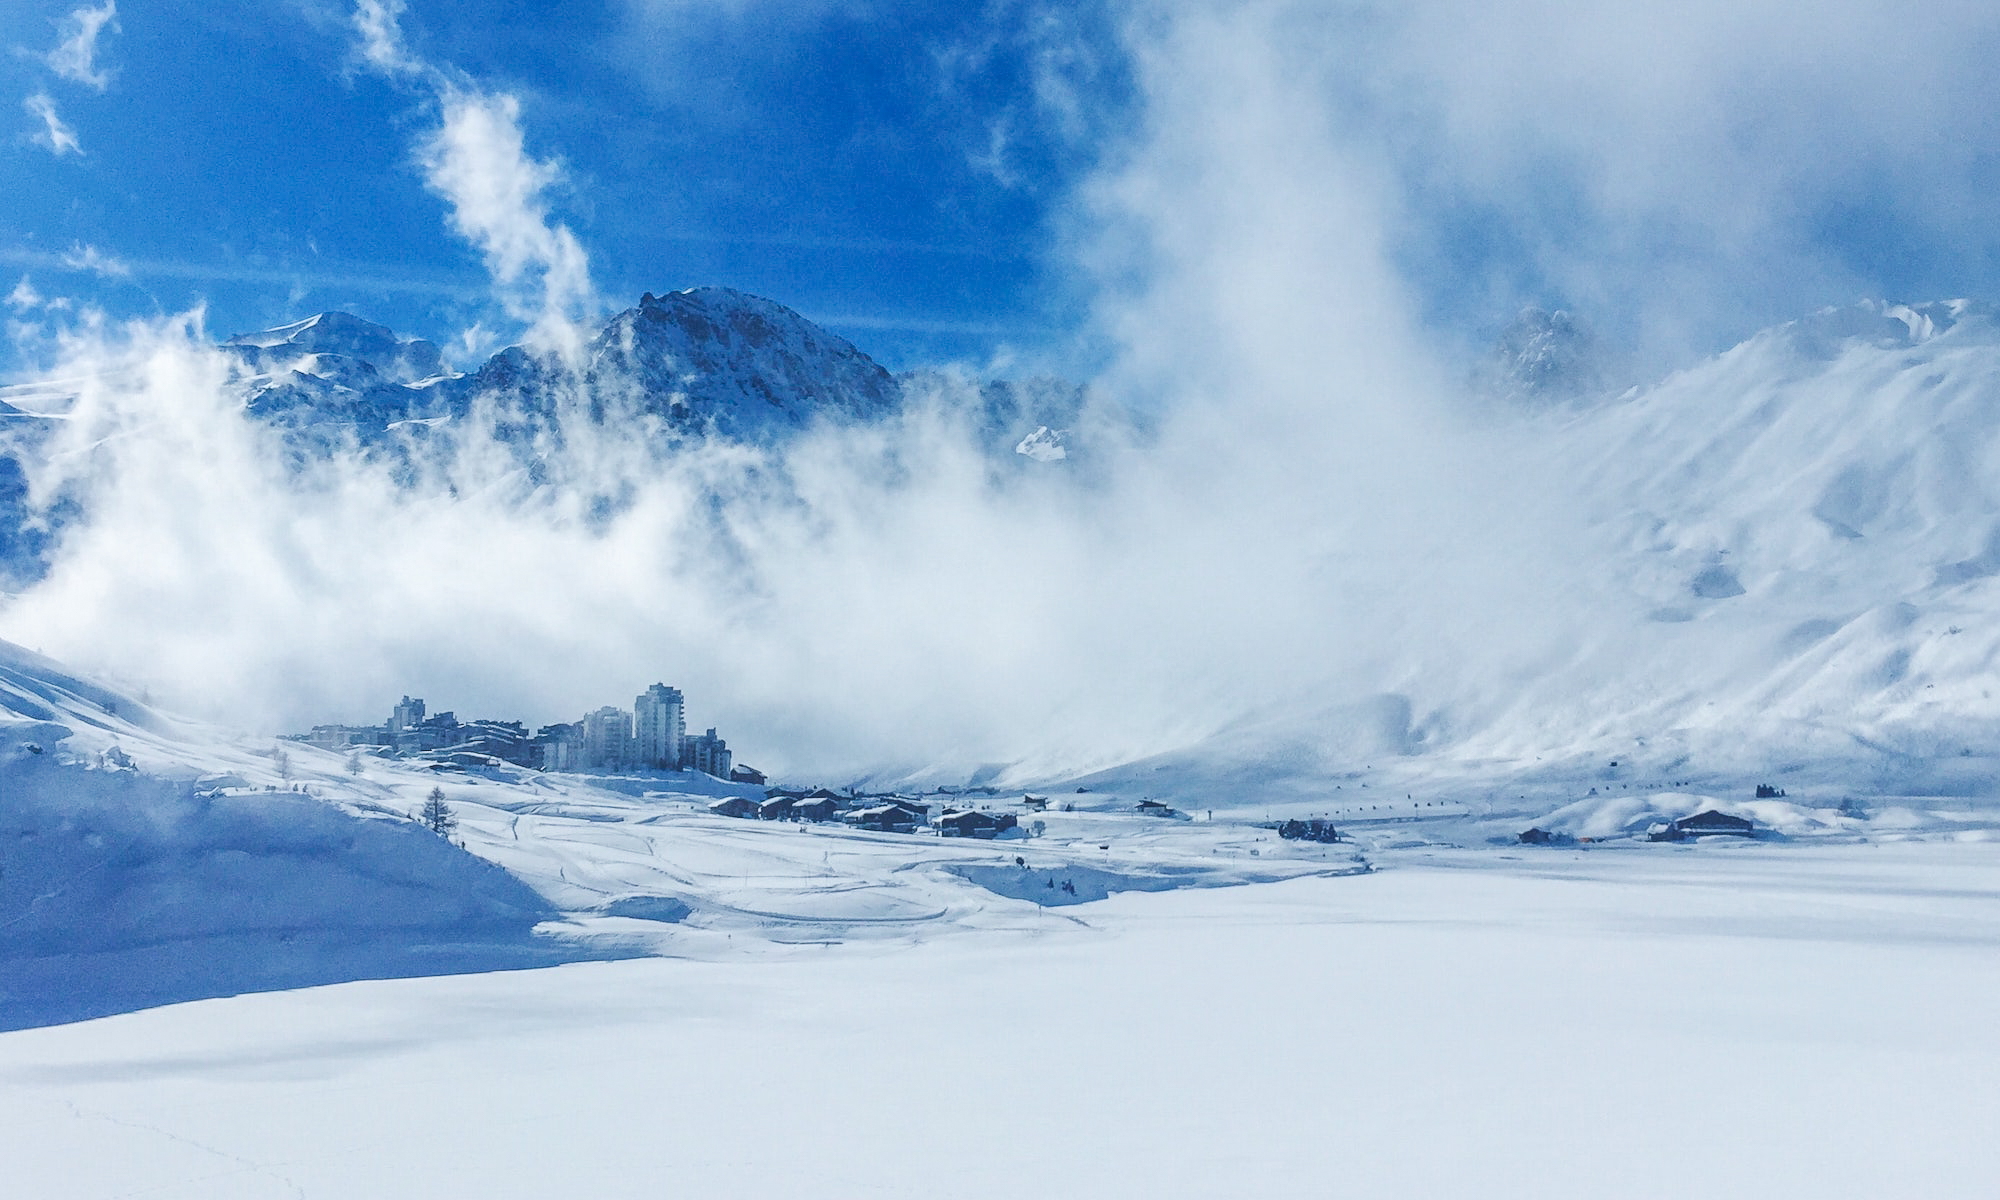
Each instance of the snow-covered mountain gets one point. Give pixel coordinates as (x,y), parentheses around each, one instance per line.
(1818,509)
(337,345)
(1784,559)
(706,361)
(336,372)
(718,360)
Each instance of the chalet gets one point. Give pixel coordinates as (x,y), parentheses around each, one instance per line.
(887,818)
(1709,823)
(734,806)
(1153,808)
(777,808)
(1543,837)
(743,774)
(815,810)
(1035,803)
(794,793)
(974,823)
(820,793)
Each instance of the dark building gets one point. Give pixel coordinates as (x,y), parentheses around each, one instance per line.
(735,806)
(708,754)
(975,824)
(1542,837)
(815,810)
(887,818)
(1704,824)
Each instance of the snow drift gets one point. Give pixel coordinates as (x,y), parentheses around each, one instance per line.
(121,889)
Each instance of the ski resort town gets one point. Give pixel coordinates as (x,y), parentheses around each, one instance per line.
(653,735)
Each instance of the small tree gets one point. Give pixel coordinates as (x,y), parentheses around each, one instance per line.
(437,814)
(282,762)
(354,763)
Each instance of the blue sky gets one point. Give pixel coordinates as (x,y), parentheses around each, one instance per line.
(927,178)
(839,158)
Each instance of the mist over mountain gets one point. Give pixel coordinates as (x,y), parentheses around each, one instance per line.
(1547,357)
(1786,550)
(701,367)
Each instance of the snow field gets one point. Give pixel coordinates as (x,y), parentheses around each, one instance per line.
(1811,1022)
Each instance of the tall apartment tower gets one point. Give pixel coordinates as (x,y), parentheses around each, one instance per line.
(709,754)
(607,737)
(659,727)
(409,714)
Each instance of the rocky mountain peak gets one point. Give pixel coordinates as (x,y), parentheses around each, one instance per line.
(341,336)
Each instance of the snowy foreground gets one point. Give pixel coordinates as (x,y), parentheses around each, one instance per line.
(1748,1021)
(231,969)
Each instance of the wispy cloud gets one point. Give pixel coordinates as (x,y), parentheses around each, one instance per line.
(58,137)
(476,159)
(478,162)
(85,257)
(1051,63)
(364,278)
(75,58)
(378,23)
(923,325)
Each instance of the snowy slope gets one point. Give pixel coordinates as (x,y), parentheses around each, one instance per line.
(1805,532)
(145,860)
(333,343)
(335,371)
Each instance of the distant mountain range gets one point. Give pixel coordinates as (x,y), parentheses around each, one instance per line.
(707,362)
(697,366)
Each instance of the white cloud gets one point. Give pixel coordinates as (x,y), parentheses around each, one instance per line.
(378,23)
(477,161)
(84,257)
(75,58)
(1672,169)
(58,137)
(24,296)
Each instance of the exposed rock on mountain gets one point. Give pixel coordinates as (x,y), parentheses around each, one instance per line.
(1545,358)
(717,360)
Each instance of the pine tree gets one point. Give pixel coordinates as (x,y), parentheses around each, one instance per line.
(436,815)
(354,763)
